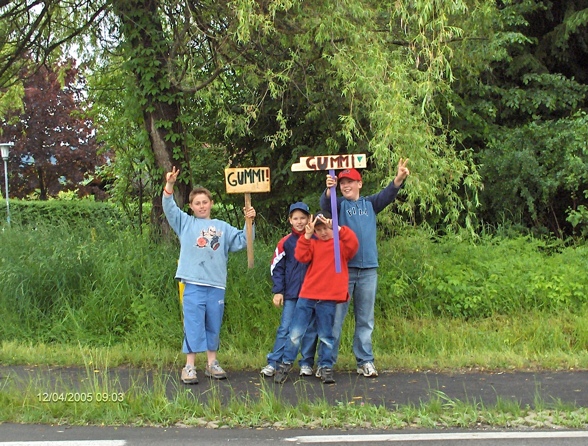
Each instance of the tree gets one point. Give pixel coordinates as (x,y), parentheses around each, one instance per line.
(521,106)
(55,148)
(274,79)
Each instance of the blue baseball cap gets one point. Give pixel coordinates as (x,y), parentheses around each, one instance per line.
(299,206)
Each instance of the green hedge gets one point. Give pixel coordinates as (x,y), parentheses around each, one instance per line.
(60,212)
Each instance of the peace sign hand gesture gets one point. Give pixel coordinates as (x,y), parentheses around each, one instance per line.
(172,176)
(402,172)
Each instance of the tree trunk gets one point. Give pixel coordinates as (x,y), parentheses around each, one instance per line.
(145,43)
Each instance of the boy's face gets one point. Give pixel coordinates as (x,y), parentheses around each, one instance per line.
(350,188)
(298,220)
(201,206)
(323,232)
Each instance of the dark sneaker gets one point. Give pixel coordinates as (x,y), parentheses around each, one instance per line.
(268,370)
(282,373)
(189,375)
(368,370)
(327,375)
(214,370)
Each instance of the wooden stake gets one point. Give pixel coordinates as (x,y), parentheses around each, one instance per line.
(249,232)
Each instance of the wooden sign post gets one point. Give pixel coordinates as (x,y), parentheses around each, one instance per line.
(330,163)
(247,180)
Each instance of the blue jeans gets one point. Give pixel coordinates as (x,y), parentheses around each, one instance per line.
(308,312)
(362,289)
(203,307)
(307,345)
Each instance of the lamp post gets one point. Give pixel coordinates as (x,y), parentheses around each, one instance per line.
(5,148)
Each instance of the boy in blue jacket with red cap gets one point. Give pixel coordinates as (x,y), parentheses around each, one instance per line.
(359,213)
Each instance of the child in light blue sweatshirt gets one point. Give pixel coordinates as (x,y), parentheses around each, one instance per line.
(204,247)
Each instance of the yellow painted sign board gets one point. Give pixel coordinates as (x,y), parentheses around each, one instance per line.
(245,180)
(240,180)
(328,162)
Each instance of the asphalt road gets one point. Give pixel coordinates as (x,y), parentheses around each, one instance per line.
(390,389)
(42,435)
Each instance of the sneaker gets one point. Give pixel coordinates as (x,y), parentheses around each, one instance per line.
(319,372)
(327,375)
(305,370)
(215,371)
(189,375)
(368,370)
(268,370)
(282,373)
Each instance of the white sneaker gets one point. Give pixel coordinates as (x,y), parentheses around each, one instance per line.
(368,370)
(268,370)
(305,370)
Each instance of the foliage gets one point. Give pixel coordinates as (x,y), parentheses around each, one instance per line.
(456,86)
(117,119)
(10,102)
(270,81)
(495,277)
(64,213)
(55,147)
(540,169)
(103,287)
(361,79)
(519,101)
(578,218)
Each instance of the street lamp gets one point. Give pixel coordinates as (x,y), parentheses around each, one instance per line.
(5,148)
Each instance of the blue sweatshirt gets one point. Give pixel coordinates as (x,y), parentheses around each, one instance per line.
(204,245)
(360,216)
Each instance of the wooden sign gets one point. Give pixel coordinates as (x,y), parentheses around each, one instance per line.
(245,180)
(239,180)
(330,162)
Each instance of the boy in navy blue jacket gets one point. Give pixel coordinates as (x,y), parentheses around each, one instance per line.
(287,277)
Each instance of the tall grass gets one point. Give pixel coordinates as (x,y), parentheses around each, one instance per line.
(442,303)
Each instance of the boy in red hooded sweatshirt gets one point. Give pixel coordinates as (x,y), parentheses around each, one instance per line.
(321,291)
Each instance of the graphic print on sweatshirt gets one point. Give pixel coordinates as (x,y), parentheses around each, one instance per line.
(356,211)
(209,237)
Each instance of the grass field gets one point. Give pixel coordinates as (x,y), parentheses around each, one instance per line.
(95,297)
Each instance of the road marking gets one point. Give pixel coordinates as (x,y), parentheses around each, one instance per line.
(436,437)
(66,443)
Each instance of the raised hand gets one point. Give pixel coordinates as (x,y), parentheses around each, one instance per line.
(402,172)
(309,228)
(172,176)
(325,220)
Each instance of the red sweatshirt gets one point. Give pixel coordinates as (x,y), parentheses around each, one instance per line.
(321,281)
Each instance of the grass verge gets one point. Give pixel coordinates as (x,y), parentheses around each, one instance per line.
(100,401)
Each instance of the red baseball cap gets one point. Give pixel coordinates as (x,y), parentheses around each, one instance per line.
(352,174)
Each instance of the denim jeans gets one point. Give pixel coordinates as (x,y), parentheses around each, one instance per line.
(362,289)
(307,345)
(203,308)
(308,312)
